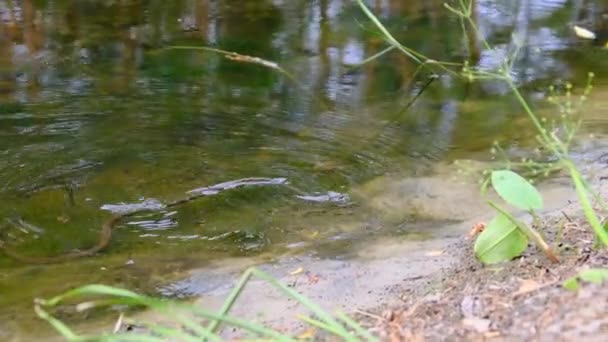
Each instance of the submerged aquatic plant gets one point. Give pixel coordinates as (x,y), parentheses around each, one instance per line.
(506,235)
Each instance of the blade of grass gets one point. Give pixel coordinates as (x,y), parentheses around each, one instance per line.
(198,329)
(356,327)
(176,310)
(238,57)
(323,326)
(161,306)
(63,329)
(581,191)
(127,337)
(238,323)
(412,54)
(419,93)
(389,37)
(173,333)
(327,318)
(335,327)
(93,289)
(371,58)
(230,300)
(242,58)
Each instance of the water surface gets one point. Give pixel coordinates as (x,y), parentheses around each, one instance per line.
(95,110)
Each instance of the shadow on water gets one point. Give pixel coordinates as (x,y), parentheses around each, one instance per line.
(94,111)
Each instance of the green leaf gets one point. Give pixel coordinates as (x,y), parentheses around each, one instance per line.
(500,241)
(517,191)
(571,284)
(591,275)
(594,275)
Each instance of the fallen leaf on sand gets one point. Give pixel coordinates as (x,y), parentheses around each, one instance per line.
(297,271)
(313,278)
(118,323)
(476,229)
(526,286)
(307,335)
(492,334)
(434,253)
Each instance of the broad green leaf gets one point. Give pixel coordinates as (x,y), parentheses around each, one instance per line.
(594,275)
(500,241)
(517,191)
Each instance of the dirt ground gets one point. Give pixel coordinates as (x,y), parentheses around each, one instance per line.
(520,300)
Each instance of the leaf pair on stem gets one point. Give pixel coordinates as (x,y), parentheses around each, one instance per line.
(506,237)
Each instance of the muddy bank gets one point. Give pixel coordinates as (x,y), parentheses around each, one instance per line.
(434,288)
(376,267)
(519,300)
(428,273)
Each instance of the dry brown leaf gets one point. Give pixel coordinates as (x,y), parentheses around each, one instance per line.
(492,334)
(307,335)
(527,286)
(297,271)
(313,278)
(476,229)
(434,253)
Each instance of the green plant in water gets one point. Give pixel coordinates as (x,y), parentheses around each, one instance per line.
(506,236)
(186,321)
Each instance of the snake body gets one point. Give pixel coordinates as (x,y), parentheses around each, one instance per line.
(105,233)
(103,240)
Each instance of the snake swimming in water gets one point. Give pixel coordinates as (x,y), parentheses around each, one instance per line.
(105,234)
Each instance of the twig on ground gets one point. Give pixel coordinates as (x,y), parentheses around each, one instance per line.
(536,288)
(369,314)
(118,324)
(566,216)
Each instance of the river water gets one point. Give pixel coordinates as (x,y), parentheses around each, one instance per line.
(96,111)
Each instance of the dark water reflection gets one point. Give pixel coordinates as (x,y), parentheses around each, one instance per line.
(94,110)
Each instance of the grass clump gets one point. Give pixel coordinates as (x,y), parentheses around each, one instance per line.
(186,321)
